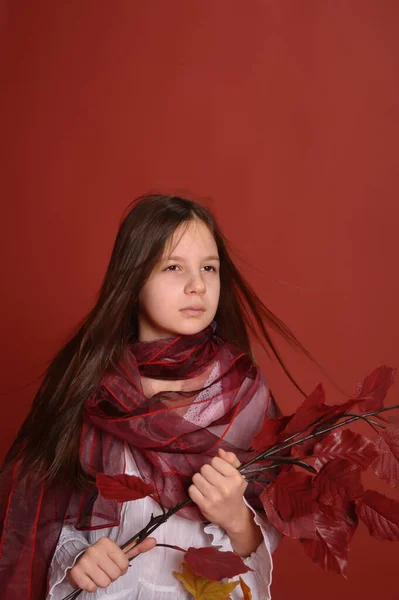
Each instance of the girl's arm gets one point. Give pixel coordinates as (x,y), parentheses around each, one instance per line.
(218,490)
(245,536)
(71,544)
(79,564)
(260,562)
(104,562)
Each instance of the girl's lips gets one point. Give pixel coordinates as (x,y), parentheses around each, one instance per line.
(192,312)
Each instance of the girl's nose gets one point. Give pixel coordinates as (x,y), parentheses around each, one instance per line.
(196,284)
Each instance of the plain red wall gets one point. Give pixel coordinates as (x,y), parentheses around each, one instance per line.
(284,113)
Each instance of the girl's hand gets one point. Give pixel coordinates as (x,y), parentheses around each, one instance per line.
(102,563)
(218,491)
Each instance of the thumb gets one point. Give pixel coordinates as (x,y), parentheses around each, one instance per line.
(229,457)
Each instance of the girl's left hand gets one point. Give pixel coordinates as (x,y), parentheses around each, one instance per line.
(218,491)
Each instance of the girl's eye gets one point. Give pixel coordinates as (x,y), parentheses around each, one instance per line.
(171,268)
(210,267)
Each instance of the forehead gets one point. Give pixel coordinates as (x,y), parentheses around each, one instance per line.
(192,236)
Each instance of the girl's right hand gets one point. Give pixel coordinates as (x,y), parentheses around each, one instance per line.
(102,563)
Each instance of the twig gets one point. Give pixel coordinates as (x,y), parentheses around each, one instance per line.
(278,460)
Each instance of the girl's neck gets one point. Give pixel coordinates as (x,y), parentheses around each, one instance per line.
(151,386)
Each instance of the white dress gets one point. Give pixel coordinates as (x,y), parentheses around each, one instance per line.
(150,576)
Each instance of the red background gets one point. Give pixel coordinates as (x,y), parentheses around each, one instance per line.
(284,114)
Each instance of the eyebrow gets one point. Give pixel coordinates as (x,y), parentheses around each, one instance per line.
(183,259)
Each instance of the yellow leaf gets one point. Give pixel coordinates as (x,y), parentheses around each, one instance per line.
(246,590)
(204,589)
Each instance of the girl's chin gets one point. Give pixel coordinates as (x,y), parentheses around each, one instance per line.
(191,324)
(182,325)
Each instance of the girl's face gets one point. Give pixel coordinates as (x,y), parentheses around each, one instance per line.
(186,277)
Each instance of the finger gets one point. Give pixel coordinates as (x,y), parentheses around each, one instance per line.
(227,470)
(229,457)
(144,546)
(120,559)
(203,485)
(84,582)
(114,564)
(223,467)
(215,476)
(99,578)
(196,496)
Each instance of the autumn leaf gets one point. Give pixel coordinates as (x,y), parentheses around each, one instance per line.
(332,414)
(337,483)
(380,514)
(246,590)
(203,589)
(212,563)
(386,464)
(345,444)
(335,529)
(306,449)
(292,494)
(313,410)
(122,488)
(372,391)
(301,527)
(270,433)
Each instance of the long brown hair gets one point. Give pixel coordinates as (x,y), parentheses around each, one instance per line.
(49,438)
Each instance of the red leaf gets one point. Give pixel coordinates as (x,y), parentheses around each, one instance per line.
(122,488)
(330,550)
(373,389)
(380,514)
(306,449)
(301,527)
(348,445)
(331,415)
(337,483)
(291,494)
(270,433)
(311,409)
(386,464)
(214,564)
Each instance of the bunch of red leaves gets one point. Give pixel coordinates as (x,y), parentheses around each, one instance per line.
(322,507)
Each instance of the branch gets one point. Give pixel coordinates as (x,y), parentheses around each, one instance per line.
(277,461)
(269,452)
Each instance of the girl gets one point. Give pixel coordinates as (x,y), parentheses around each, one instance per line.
(159,381)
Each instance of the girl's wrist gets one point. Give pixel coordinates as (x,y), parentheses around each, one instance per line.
(241,522)
(245,535)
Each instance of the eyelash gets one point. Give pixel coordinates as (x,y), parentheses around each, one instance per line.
(212,267)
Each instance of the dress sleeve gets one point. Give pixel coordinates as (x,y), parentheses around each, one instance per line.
(71,544)
(259,580)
